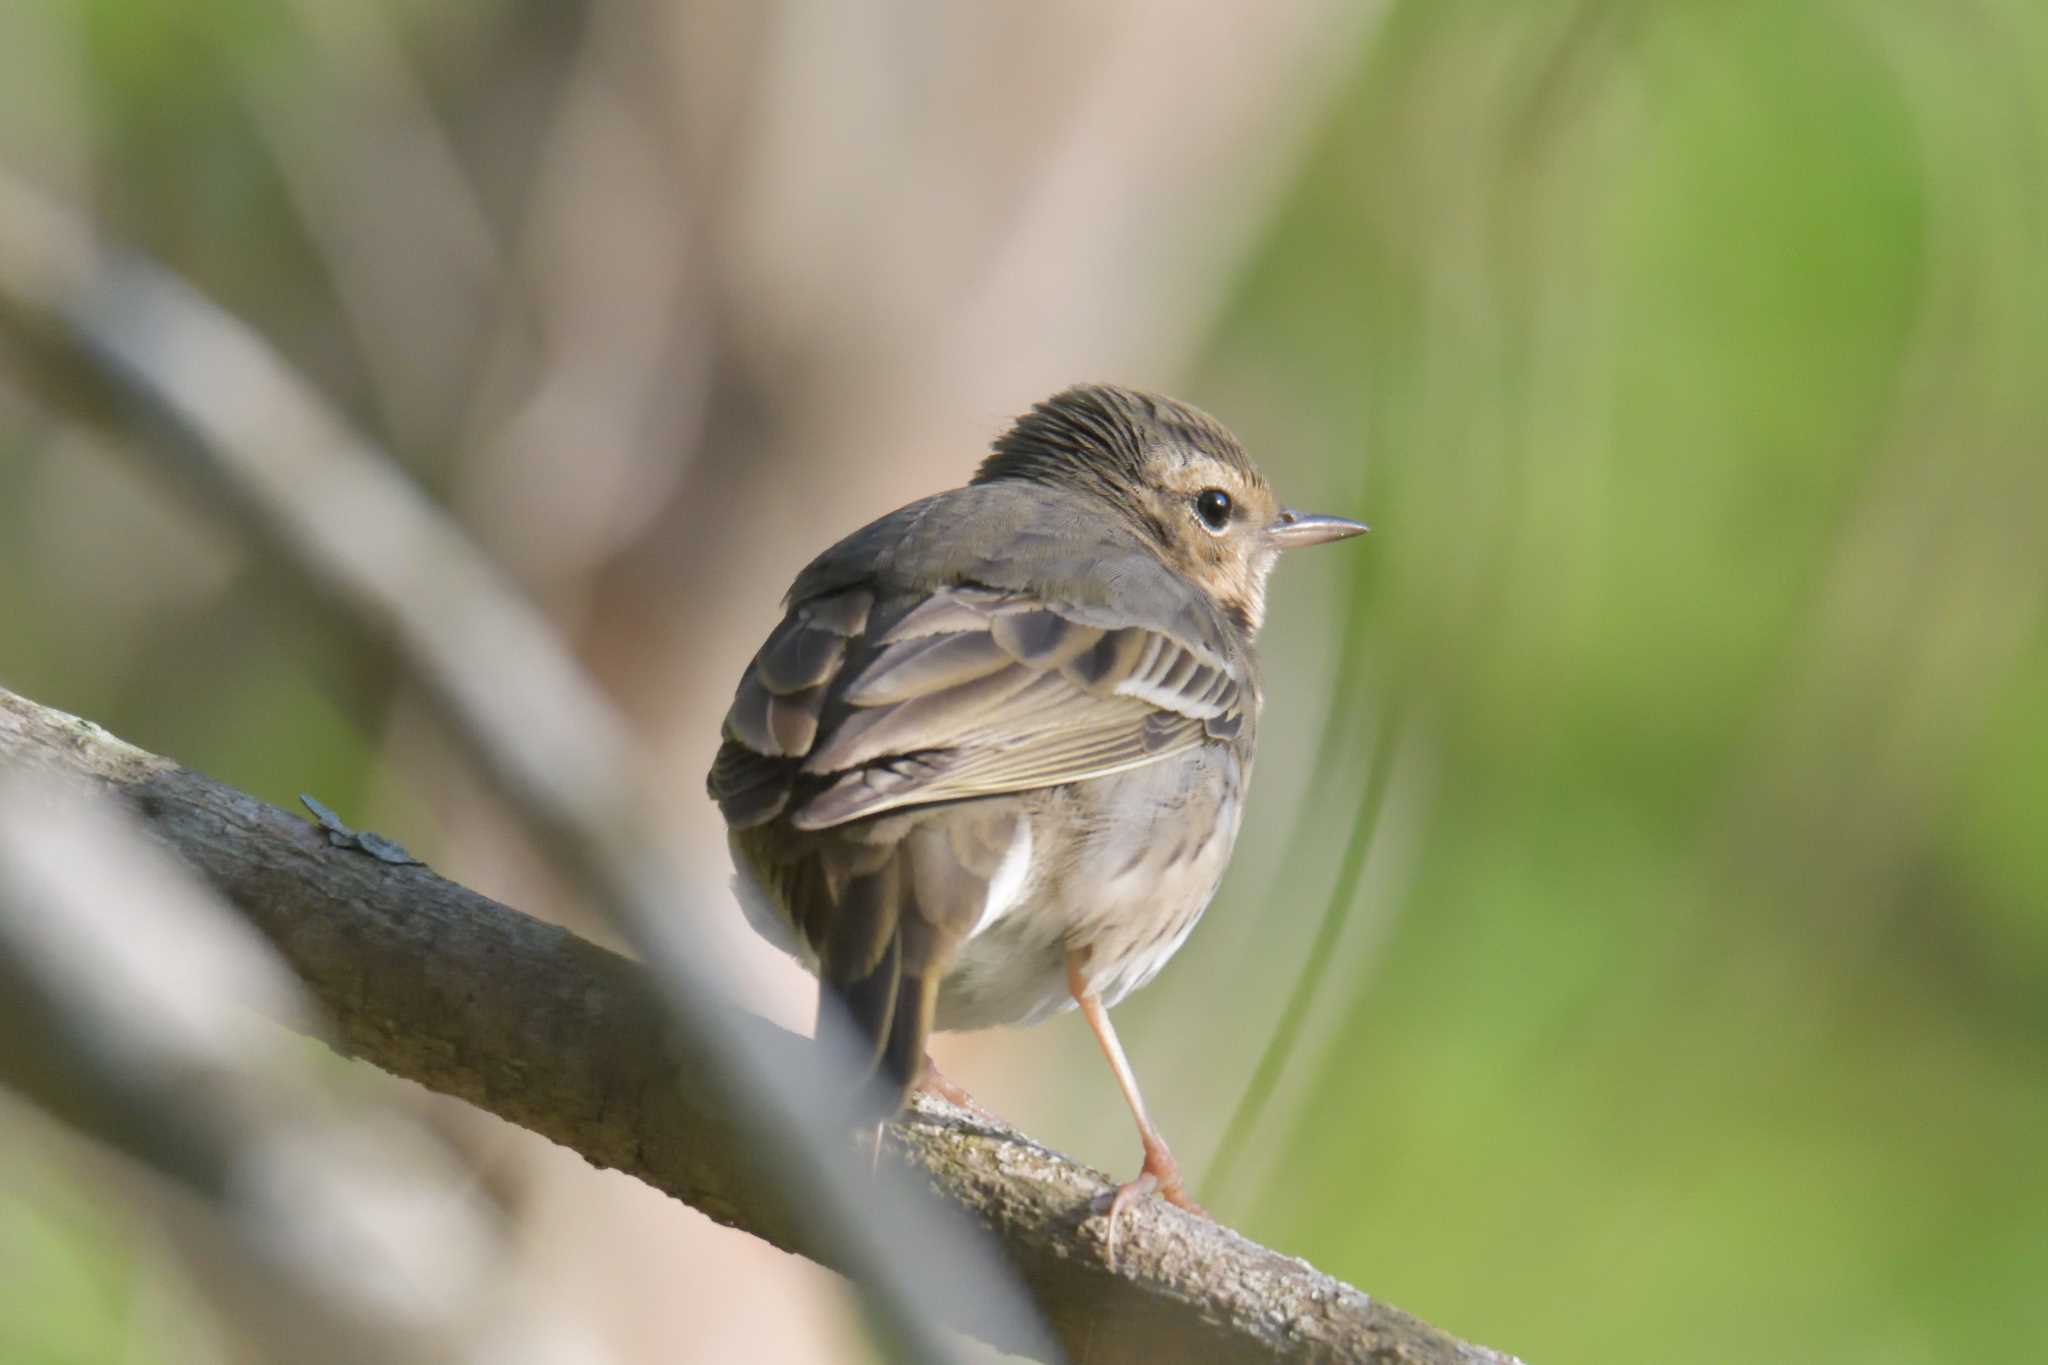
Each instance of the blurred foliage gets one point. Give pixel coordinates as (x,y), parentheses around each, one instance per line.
(1694,350)
(63,1299)
(1690,352)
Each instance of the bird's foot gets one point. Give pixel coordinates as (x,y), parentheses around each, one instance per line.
(935,1082)
(1160,1176)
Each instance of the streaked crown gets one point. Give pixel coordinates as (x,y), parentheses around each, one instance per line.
(1104,437)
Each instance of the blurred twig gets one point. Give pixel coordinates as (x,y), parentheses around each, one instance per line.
(1315,967)
(113,334)
(439,984)
(384,198)
(326,1234)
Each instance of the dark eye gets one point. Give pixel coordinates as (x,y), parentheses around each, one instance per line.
(1212,505)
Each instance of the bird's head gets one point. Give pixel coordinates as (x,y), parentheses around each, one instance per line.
(1176,476)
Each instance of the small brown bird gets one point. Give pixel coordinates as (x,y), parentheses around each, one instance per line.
(991,763)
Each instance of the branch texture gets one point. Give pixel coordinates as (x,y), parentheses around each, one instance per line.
(433,982)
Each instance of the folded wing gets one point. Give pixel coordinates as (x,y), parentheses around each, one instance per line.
(851,710)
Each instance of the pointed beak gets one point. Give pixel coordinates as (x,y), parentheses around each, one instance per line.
(1294,529)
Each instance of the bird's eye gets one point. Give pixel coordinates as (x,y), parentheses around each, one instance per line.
(1212,505)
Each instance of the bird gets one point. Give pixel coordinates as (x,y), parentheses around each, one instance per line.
(991,764)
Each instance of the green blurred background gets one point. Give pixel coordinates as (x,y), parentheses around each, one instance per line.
(1685,996)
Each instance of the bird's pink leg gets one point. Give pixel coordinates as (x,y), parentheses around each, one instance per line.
(1161,1173)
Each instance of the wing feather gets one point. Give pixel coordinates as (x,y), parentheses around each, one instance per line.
(964,692)
(930,663)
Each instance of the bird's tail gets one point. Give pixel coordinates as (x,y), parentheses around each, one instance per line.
(896,931)
(893,933)
(884,1022)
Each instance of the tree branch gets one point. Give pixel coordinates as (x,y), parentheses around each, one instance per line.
(433,982)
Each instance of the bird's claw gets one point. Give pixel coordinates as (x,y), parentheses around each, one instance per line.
(1160,1176)
(935,1082)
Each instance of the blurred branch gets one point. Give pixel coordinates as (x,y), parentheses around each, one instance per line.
(436,983)
(323,1232)
(111,335)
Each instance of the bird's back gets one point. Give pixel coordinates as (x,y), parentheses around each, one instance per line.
(1053,543)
